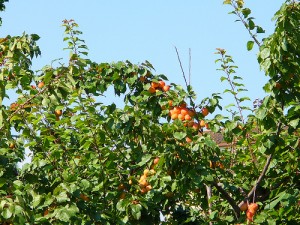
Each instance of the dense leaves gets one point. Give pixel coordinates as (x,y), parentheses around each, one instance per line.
(155,158)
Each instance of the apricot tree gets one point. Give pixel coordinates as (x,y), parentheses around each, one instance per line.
(156,159)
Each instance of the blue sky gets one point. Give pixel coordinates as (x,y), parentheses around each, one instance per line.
(148,30)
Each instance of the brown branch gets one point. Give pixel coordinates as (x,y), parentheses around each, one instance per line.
(267,164)
(209,195)
(229,199)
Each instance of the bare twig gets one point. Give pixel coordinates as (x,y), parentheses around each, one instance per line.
(184,77)
(190,65)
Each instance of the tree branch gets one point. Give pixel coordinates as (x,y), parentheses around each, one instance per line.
(229,199)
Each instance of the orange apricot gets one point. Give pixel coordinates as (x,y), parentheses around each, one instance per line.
(204,111)
(166,88)
(187,117)
(184,111)
(41,84)
(154,85)
(174,116)
(58,112)
(161,84)
(188,140)
(148,187)
(152,90)
(195,126)
(244,206)
(253,207)
(202,123)
(155,161)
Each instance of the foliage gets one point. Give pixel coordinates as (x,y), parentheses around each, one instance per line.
(96,163)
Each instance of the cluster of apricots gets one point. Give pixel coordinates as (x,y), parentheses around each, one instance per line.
(214,165)
(143,181)
(187,115)
(158,86)
(252,208)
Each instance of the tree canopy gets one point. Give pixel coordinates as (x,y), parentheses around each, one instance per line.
(154,160)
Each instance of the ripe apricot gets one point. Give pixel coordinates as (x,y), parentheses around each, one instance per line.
(84,197)
(195,126)
(11,145)
(174,116)
(142,78)
(192,112)
(212,164)
(41,84)
(58,112)
(148,187)
(207,126)
(143,183)
(161,84)
(202,123)
(170,103)
(154,85)
(244,206)
(204,111)
(182,105)
(146,172)
(177,110)
(152,90)
(180,117)
(253,207)
(184,111)
(278,85)
(46,212)
(166,88)
(187,117)
(142,178)
(155,161)
(250,215)
(144,190)
(188,140)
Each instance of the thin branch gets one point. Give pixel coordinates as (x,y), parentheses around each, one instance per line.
(229,199)
(245,24)
(183,74)
(267,164)
(209,195)
(190,65)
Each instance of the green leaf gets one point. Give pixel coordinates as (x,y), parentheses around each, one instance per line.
(65,213)
(261,113)
(294,123)
(145,159)
(7,213)
(121,205)
(136,211)
(250,45)
(36,200)
(179,135)
(62,197)
(265,53)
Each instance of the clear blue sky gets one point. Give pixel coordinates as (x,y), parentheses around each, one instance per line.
(148,30)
